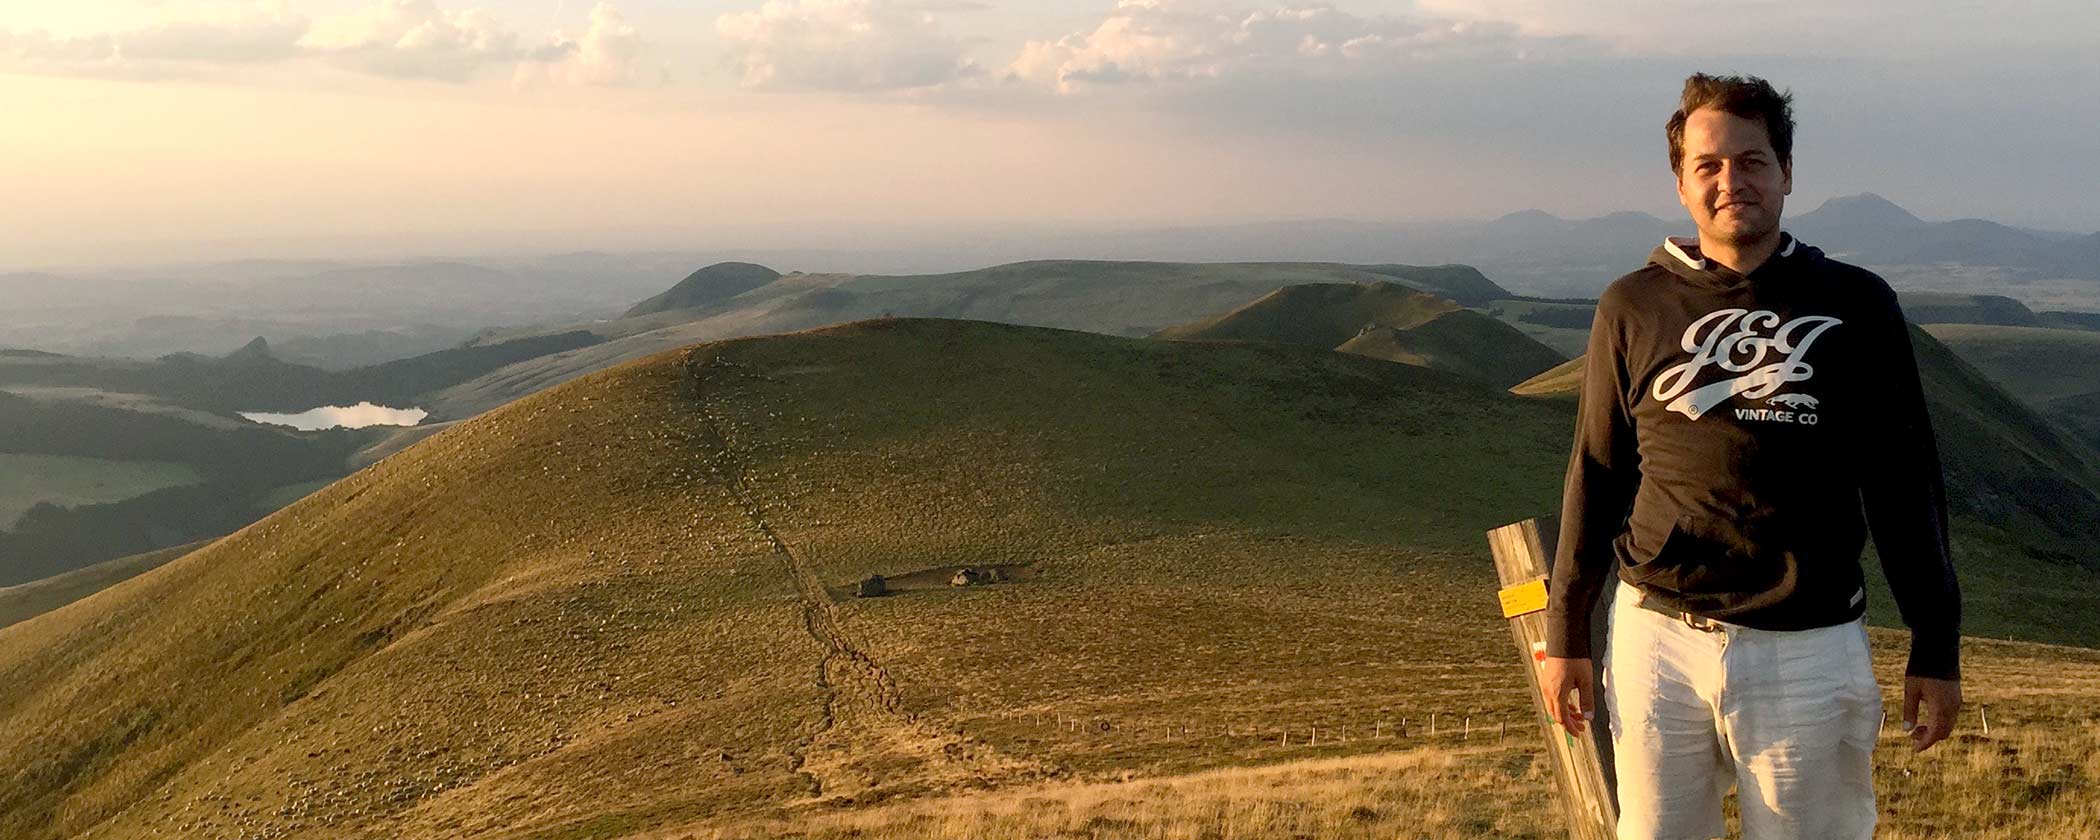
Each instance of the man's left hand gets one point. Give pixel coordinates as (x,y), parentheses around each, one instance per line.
(1942,701)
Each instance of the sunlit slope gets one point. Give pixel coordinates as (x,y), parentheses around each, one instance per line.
(548,614)
(1318,315)
(619,604)
(1464,342)
(27,600)
(1383,321)
(1563,380)
(1112,297)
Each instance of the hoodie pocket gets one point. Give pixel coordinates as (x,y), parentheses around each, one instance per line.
(1704,556)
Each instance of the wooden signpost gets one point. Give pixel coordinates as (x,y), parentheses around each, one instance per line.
(1581,764)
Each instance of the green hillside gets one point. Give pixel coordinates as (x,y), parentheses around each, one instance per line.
(1462,283)
(560,599)
(1464,342)
(2054,370)
(1130,298)
(82,482)
(28,600)
(71,480)
(1383,321)
(1317,315)
(252,379)
(623,606)
(1953,308)
(1563,381)
(706,287)
(2037,364)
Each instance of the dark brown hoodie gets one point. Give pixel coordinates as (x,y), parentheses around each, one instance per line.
(1737,439)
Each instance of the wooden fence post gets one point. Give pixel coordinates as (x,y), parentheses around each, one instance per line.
(1582,771)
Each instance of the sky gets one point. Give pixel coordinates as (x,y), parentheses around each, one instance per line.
(139,131)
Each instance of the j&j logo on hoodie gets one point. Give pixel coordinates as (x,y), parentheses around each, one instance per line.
(1739,341)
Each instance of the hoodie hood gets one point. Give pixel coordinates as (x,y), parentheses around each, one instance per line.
(1680,256)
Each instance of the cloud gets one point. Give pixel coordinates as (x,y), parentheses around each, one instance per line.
(1883,28)
(1190,41)
(414,39)
(610,52)
(221,34)
(844,45)
(399,39)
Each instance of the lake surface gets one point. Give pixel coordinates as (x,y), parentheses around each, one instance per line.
(348,416)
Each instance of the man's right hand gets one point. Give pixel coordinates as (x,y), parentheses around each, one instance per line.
(1571,691)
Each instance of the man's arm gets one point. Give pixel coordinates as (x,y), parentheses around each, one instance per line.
(1905,498)
(1603,475)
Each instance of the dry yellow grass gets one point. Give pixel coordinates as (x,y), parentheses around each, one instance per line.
(613,609)
(2035,776)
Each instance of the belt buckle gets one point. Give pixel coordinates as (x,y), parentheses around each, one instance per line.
(1699,622)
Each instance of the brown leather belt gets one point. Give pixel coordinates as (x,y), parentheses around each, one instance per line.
(1696,622)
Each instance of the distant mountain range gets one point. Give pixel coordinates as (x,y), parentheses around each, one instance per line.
(1538,253)
(1451,318)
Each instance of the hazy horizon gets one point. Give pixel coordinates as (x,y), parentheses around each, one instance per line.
(149,132)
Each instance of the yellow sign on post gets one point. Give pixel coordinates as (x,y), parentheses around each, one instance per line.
(1523,598)
(1522,551)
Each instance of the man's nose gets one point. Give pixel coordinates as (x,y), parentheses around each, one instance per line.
(1732,177)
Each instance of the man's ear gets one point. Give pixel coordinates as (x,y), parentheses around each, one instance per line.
(1786,178)
(1681,197)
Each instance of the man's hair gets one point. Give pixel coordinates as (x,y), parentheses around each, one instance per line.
(1748,97)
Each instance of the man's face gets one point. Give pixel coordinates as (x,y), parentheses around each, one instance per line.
(1730,179)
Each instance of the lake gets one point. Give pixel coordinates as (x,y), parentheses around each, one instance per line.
(348,416)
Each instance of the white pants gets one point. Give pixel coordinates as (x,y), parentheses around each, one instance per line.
(1788,717)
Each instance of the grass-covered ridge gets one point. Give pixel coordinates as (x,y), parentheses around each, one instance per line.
(619,607)
(559,597)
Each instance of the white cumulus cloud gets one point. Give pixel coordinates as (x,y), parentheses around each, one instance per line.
(610,52)
(854,45)
(170,46)
(1194,40)
(402,39)
(415,39)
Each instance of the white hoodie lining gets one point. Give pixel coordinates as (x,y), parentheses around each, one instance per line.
(1676,245)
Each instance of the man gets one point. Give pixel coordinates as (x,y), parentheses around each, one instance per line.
(1750,410)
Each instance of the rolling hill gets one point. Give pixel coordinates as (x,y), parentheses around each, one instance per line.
(1382,321)
(622,607)
(1114,298)
(2056,371)
(1317,315)
(707,286)
(1464,342)
(110,457)
(526,619)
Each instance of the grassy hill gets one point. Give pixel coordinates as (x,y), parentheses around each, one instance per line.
(2055,370)
(2037,364)
(620,608)
(1317,315)
(1111,297)
(1923,307)
(86,481)
(24,601)
(707,287)
(1464,342)
(1382,321)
